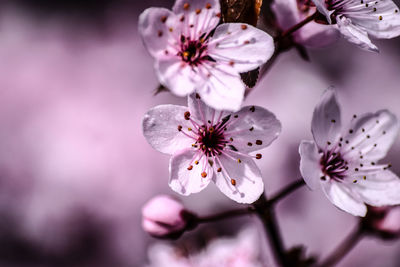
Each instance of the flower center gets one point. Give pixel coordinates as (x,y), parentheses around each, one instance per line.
(333,165)
(211,140)
(193,51)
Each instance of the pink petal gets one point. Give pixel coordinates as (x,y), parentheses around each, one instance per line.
(224,89)
(241,45)
(371,135)
(326,123)
(310,168)
(154,25)
(185,181)
(160,128)
(379,189)
(317,35)
(197,17)
(241,182)
(180,78)
(253,128)
(355,34)
(343,198)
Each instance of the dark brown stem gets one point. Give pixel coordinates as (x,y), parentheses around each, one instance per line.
(286,191)
(226,215)
(344,248)
(297,26)
(267,216)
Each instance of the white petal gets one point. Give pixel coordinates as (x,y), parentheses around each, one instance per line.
(224,89)
(200,111)
(241,45)
(371,135)
(326,122)
(155,33)
(310,167)
(343,198)
(160,128)
(380,188)
(321,6)
(200,16)
(180,78)
(252,128)
(247,180)
(355,34)
(379,19)
(185,181)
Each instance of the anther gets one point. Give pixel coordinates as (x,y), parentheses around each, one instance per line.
(160,33)
(231,139)
(196,162)
(258,156)
(380,18)
(333,121)
(179,127)
(211,129)
(372,163)
(365,177)
(354,116)
(355,181)
(252,109)
(363,130)
(163,19)
(323,178)
(204,174)
(249,144)
(239,160)
(328,143)
(244,26)
(236,116)
(208,5)
(219,169)
(233,182)
(350,131)
(356,169)
(190,167)
(368,136)
(246,42)
(182,18)
(251,129)
(186,6)
(258,142)
(198,11)
(187,115)
(189,129)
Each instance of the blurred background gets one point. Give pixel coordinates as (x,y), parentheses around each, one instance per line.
(75,170)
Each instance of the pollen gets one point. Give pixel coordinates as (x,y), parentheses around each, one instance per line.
(190,167)
(233,182)
(196,162)
(204,174)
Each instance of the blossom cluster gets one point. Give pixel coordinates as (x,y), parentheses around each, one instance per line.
(215,138)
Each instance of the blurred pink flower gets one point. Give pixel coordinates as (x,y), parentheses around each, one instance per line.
(240,251)
(343,160)
(384,221)
(290,12)
(357,19)
(164,216)
(212,145)
(193,54)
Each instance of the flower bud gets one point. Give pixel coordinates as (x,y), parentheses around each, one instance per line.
(384,221)
(165,217)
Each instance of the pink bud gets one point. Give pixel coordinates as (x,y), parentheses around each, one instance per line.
(385,221)
(165,217)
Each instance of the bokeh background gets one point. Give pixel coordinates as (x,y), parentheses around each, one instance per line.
(75,170)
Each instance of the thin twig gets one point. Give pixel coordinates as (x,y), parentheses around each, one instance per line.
(344,248)
(297,26)
(226,214)
(286,191)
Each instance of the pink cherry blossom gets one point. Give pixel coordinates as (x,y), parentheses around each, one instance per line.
(359,19)
(384,221)
(208,145)
(192,54)
(343,160)
(290,12)
(164,216)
